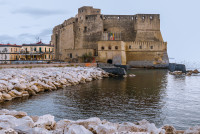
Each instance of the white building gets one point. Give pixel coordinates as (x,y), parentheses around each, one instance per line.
(9,52)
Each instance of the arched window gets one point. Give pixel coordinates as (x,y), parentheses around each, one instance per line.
(109,47)
(116,47)
(102,48)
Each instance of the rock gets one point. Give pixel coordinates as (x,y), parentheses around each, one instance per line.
(176,73)
(195,71)
(89,122)
(35,118)
(108,128)
(6,96)
(193,130)
(169,129)
(131,75)
(46,121)
(76,129)
(8,131)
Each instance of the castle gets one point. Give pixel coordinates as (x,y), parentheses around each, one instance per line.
(133,40)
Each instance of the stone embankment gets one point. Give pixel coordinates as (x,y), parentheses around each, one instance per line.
(25,82)
(16,122)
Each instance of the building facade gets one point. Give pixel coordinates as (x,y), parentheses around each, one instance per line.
(133,40)
(8,53)
(38,51)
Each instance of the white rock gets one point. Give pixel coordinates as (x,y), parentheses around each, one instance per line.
(45,121)
(76,129)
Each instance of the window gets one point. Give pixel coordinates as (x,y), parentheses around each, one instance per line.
(70,55)
(140,47)
(45,56)
(35,49)
(116,47)
(11,49)
(85,29)
(45,49)
(40,49)
(102,48)
(151,47)
(49,50)
(105,30)
(143,17)
(129,47)
(109,47)
(49,56)
(95,52)
(151,17)
(86,18)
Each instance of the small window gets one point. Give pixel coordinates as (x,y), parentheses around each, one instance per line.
(140,47)
(86,18)
(102,48)
(45,57)
(151,47)
(70,55)
(118,18)
(151,17)
(109,48)
(129,47)
(143,17)
(49,50)
(97,11)
(85,29)
(116,47)
(105,30)
(136,17)
(11,49)
(49,56)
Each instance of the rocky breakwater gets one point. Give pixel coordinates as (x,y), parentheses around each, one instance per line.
(188,73)
(25,82)
(14,122)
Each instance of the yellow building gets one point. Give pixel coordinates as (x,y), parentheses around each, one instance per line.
(38,51)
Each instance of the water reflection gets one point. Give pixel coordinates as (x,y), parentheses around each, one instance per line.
(119,99)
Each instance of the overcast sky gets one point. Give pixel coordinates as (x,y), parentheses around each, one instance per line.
(21,21)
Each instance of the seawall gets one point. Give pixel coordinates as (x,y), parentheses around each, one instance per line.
(24,82)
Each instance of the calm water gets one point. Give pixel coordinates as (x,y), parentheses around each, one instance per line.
(153,95)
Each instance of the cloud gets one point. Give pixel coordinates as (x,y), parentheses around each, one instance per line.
(44,35)
(38,12)
(7,39)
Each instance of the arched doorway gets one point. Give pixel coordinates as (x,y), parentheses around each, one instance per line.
(109,61)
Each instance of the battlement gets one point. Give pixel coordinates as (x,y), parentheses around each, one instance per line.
(119,17)
(87,10)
